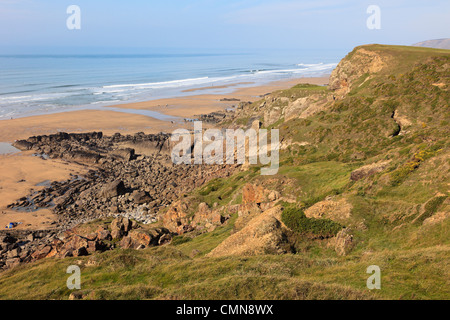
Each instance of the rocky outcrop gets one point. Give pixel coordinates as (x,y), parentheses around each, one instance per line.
(360,61)
(19,246)
(255,200)
(23,145)
(120,182)
(336,210)
(177,218)
(343,242)
(113,189)
(305,107)
(140,239)
(208,218)
(264,234)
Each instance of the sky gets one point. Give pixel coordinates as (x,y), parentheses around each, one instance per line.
(32,26)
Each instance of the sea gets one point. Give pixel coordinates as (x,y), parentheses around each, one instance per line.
(34,84)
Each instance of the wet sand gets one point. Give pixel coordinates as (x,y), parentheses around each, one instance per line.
(106,121)
(19,174)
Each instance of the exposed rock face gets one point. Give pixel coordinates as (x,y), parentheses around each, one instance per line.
(255,200)
(140,239)
(272,115)
(402,121)
(349,69)
(208,218)
(336,210)
(305,107)
(177,219)
(78,246)
(343,242)
(121,224)
(264,234)
(436,218)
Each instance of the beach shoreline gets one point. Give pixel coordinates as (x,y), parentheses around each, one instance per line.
(129,118)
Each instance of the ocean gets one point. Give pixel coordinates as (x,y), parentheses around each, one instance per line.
(41,84)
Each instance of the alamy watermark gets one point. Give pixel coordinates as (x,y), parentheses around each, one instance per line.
(73,22)
(374,20)
(74,281)
(230,146)
(374,281)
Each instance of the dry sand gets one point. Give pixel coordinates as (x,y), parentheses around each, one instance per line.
(20,172)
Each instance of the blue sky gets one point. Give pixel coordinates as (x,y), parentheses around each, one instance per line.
(234,25)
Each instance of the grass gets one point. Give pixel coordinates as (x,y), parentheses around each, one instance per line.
(387,215)
(296,220)
(162,273)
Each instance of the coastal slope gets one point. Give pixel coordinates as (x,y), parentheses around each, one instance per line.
(363,181)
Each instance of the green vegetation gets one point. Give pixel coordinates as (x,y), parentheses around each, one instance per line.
(398,213)
(296,220)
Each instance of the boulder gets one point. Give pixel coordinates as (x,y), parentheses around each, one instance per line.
(41,252)
(12,262)
(141,197)
(13,253)
(121,224)
(103,234)
(113,189)
(264,234)
(137,239)
(176,219)
(126,154)
(205,215)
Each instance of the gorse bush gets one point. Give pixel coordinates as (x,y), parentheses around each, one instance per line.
(296,220)
(400,174)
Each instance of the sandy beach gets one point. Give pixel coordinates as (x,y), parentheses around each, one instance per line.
(20,172)
(190,106)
